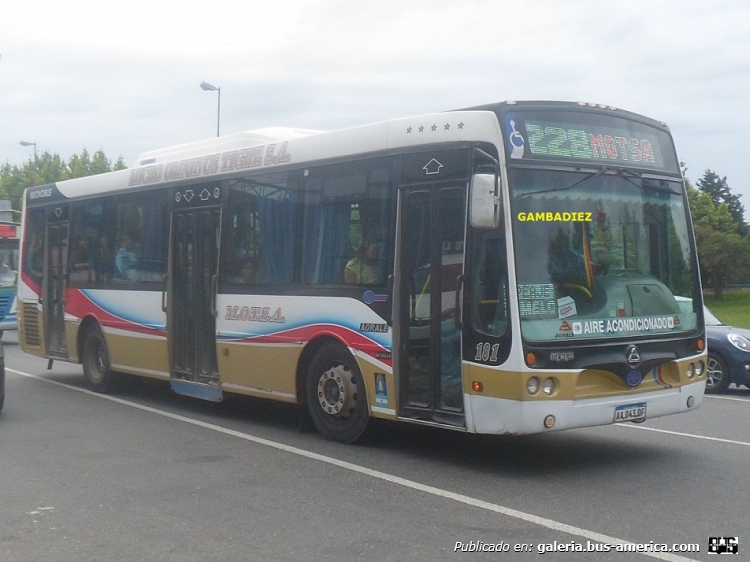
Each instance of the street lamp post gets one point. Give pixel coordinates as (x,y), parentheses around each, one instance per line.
(26,143)
(211,88)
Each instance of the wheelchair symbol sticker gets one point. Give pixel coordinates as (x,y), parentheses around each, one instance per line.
(516,141)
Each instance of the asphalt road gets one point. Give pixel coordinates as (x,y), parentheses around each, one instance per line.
(144,474)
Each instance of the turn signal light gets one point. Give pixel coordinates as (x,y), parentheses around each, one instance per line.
(701,345)
(530,359)
(477,386)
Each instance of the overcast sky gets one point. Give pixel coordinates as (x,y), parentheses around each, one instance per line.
(83,74)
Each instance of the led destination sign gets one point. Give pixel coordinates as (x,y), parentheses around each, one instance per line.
(590,137)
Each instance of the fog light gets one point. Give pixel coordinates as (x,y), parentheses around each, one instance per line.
(699,366)
(691,401)
(532,385)
(549,386)
(691,370)
(549,421)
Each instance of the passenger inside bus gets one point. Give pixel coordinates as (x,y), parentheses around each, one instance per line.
(80,260)
(103,261)
(126,257)
(363,268)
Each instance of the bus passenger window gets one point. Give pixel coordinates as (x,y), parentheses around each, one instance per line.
(34,244)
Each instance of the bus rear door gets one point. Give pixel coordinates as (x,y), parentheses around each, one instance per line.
(55,280)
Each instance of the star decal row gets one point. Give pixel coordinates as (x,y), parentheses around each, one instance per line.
(434,128)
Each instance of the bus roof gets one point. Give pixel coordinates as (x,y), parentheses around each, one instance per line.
(264,150)
(269,148)
(226,143)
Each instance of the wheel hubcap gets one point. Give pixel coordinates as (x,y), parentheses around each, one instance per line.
(337,391)
(714,374)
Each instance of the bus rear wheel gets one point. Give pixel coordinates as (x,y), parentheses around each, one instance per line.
(96,366)
(336,395)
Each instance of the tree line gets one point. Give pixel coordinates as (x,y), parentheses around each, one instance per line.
(721,232)
(48,168)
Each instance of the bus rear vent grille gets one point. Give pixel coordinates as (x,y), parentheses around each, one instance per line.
(31,325)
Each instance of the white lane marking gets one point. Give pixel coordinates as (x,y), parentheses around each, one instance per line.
(717,439)
(467,500)
(727,398)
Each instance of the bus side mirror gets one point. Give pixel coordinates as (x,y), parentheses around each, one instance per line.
(485,210)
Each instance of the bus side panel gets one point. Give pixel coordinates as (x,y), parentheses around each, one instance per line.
(261,339)
(133,325)
(265,370)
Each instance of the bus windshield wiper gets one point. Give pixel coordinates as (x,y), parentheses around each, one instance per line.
(583,180)
(645,184)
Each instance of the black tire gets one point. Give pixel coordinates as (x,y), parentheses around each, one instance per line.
(96,366)
(336,395)
(717,374)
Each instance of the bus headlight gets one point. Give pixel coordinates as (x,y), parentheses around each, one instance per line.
(691,370)
(699,366)
(549,386)
(532,385)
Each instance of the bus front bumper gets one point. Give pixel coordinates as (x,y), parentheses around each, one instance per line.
(501,416)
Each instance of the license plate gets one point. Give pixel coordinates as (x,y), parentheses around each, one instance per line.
(630,412)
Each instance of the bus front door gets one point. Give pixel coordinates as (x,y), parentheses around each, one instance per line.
(191,306)
(432,226)
(54,283)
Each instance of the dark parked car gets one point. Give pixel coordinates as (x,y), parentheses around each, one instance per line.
(2,376)
(728,355)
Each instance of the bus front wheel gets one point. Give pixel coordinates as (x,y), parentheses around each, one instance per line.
(336,395)
(96,366)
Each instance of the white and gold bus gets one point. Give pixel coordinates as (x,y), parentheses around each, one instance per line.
(506,269)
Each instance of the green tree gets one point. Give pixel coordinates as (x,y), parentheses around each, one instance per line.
(706,212)
(724,257)
(48,168)
(718,188)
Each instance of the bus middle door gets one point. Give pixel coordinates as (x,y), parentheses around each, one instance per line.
(192,286)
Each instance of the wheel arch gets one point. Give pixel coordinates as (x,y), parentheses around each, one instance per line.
(89,322)
(723,357)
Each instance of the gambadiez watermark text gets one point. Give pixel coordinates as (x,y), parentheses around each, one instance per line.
(573,546)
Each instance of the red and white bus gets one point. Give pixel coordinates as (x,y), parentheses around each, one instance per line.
(505,269)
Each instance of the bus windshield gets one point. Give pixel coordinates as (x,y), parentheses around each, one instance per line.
(600,253)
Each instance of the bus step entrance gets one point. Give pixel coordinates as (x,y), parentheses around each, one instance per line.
(197,390)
